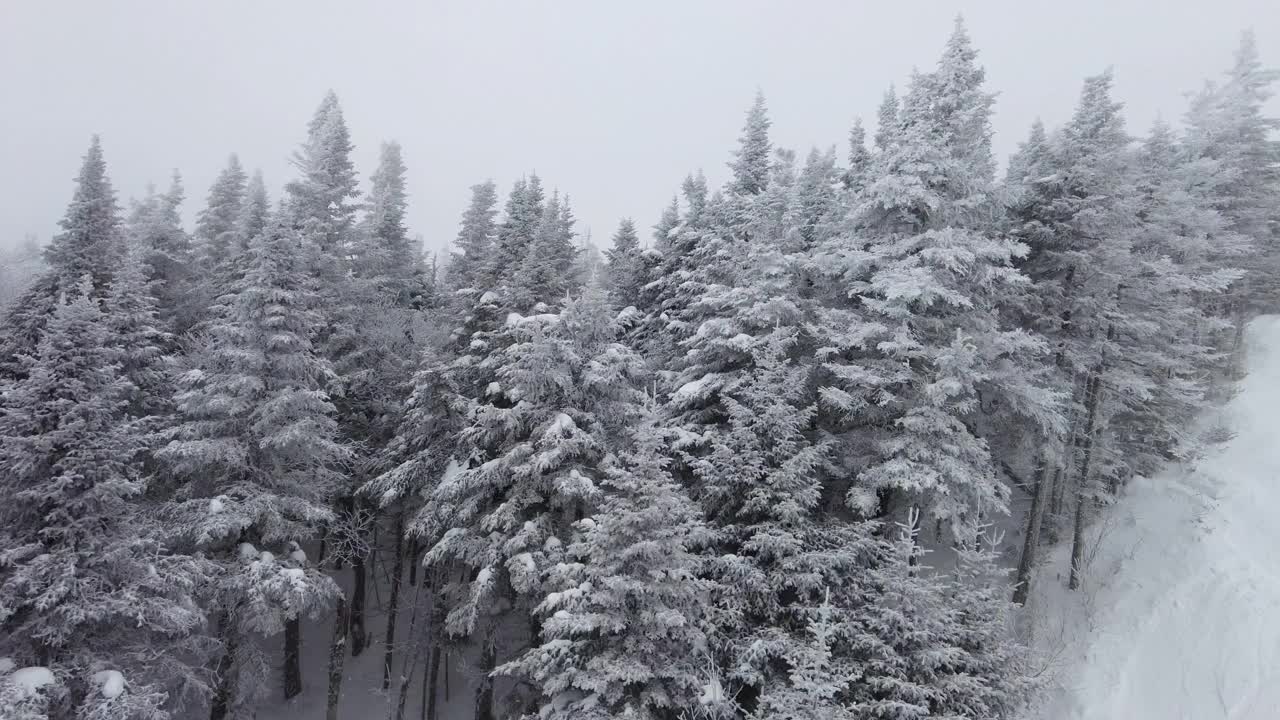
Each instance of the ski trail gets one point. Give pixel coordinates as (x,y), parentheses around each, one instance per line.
(1184,617)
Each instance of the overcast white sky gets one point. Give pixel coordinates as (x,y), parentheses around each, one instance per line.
(612,102)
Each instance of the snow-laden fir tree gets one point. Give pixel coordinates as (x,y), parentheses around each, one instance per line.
(855,175)
(534,447)
(322,200)
(90,243)
(253,215)
(624,610)
(751,163)
(887,120)
(217,223)
(469,264)
(626,269)
(545,272)
(154,230)
(86,586)
(257,453)
(1227,123)
(925,339)
(927,645)
(522,217)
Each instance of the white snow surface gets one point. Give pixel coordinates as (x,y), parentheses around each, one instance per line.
(31,679)
(1179,614)
(111,683)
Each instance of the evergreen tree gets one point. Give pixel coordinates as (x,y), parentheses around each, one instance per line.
(1227,124)
(389,259)
(627,275)
(322,201)
(545,275)
(522,217)
(623,631)
(535,442)
(887,120)
(751,161)
(257,448)
(855,176)
(155,231)
(90,243)
(216,225)
(85,586)
(468,267)
(253,214)
(932,282)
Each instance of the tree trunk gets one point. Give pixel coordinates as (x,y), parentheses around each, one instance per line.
(224,691)
(337,656)
(359,636)
(393,604)
(426,677)
(411,663)
(484,693)
(292,650)
(1031,543)
(1093,395)
(434,682)
(413,563)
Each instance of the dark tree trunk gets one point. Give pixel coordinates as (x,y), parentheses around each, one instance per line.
(1093,395)
(1031,543)
(410,663)
(337,657)
(224,690)
(435,678)
(359,636)
(413,563)
(484,693)
(292,650)
(393,603)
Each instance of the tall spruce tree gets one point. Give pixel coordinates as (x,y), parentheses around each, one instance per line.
(86,586)
(90,243)
(257,449)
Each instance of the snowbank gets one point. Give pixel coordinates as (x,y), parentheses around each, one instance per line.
(1179,616)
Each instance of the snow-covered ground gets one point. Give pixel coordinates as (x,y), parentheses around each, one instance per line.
(1179,618)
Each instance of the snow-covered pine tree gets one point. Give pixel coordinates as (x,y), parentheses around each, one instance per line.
(928,646)
(930,283)
(626,269)
(90,243)
(1088,288)
(154,230)
(253,217)
(322,200)
(1228,123)
(624,610)
(888,122)
(86,586)
(534,448)
(1182,248)
(751,163)
(418,455)
(144,348)
(216,225)
(468,272)
(257,452)
(545,273)
(373,353)
(522,217)
(855,176)
(1028,164)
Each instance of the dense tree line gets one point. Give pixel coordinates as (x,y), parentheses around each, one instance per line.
(703,479)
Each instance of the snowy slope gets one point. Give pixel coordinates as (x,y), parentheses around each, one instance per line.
(1180,614)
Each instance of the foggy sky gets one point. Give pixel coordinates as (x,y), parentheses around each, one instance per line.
(611,102)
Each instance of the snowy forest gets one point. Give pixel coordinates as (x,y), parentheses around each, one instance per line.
(795,447)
